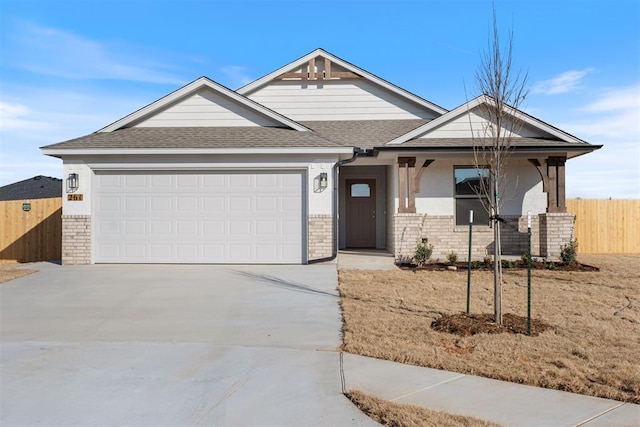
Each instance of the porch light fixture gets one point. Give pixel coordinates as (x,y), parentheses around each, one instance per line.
(72,182)
(323,180)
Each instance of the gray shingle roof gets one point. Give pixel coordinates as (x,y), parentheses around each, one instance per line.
(198,137)
(38,187)
(363,133)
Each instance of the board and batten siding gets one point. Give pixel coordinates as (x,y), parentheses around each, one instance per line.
(461,127)
(346,99)
(206,108)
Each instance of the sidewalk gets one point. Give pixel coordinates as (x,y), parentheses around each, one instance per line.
(498,401)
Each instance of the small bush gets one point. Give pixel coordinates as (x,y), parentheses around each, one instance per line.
(488,261)
(452,257)
(569,252)
(476,264)
(423,253)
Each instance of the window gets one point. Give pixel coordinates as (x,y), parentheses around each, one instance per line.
(466,193)
(360,190)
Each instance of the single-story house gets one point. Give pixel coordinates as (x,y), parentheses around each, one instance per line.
(315,156)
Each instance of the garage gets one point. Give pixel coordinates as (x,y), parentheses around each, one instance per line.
(230,217)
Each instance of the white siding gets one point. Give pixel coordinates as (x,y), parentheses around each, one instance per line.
(461,127)
(205,108)
(349,99)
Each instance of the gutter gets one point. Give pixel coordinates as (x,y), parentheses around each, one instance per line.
(357,152)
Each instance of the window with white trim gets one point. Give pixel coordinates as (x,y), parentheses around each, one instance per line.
(467,194)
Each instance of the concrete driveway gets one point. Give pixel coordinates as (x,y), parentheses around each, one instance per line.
(172,345)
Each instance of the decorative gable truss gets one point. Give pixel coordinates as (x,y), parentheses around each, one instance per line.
(319,68)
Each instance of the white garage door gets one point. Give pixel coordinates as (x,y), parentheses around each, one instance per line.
(203,217)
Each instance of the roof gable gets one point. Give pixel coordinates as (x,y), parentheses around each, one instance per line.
(320,67)
(468,121)
(213,100)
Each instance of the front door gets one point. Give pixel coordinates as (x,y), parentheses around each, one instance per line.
(360,210)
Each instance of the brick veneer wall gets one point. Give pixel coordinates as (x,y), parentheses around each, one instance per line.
(556,230)
(321,236)
(76,239)
(441,232)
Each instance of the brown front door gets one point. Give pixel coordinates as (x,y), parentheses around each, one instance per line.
(360,209)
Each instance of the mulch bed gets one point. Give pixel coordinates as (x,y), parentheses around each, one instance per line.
(536,265)
(465,325)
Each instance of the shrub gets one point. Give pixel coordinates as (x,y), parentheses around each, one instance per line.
(488,261)
(423,253)
(569,252)
(452,257)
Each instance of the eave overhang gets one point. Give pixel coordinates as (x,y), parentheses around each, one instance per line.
(196,151)
(538,150)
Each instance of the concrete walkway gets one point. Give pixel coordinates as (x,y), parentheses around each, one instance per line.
(366,259)
(498,401)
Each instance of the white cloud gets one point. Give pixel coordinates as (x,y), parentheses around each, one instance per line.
(237,74)
(566,82)
(614,115)
(626,98)
(16,116)
(609,117)
(55,52)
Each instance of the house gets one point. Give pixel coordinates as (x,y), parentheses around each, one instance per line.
(38,187)
(318,154)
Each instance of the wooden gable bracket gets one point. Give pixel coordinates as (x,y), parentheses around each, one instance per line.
(311,74)
(419,174)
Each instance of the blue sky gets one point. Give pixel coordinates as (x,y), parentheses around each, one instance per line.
(68,68)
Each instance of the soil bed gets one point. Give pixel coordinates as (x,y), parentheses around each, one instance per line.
(506,265)
(465,325)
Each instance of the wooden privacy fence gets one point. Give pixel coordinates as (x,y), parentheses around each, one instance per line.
(31,233)
(606,226)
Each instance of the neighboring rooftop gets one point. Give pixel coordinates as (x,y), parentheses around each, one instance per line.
(38,187)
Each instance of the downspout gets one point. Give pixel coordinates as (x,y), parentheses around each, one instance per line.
(357,152)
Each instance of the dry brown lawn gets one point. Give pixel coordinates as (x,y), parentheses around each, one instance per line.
(591,349)
(401,414)
(10,271)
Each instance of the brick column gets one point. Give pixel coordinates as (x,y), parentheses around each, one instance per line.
(407,233)
(76,239)
(556,230)
(321,236)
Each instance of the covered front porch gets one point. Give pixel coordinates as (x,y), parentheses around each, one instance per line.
(393,202)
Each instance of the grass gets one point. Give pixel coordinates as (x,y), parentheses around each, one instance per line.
(390,413)
(10,271)
(591,349)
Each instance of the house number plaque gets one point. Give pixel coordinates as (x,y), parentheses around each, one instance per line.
(74,197)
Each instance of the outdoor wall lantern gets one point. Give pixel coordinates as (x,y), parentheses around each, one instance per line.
(323,180)
(72,182)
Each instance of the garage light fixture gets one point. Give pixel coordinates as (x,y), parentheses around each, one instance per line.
(72,182)
(323,180)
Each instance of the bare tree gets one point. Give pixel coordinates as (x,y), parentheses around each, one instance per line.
(503,90)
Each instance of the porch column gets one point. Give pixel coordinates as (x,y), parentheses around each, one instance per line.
(557,185)
(553,182)
(407,184)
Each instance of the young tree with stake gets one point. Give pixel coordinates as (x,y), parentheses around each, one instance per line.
(503,91)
